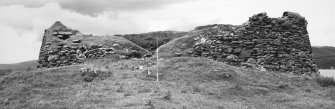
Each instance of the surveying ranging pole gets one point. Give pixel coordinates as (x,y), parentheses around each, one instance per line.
(157,57)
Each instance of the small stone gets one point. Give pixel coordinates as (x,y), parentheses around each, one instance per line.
(117,46)
(302,54)
(140,67)
(259,45)
(110,49)
(94,46)
(277,42)
(262,69)
(6,101)
(283,67)
(245,53)
(229,50)
(232,57)
(76,41)
(256,40)
(51,58)
(178,54)
(88,74)
(269,48)
(122,57)
(237,50)
(81,57)
(236,42)
(249,43)
(205,53)
(252,61)
(147,72)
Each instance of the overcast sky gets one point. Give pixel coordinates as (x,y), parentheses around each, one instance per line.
(22,22)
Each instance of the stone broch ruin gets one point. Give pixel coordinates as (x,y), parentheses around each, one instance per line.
(62,46)
(277,44)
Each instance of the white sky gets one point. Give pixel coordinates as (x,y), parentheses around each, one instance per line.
(22,22)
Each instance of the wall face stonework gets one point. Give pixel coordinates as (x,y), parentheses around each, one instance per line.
(62,46)
(50,42)
(277,44)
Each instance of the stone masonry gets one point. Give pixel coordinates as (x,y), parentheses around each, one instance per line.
(277,44)
(62,46)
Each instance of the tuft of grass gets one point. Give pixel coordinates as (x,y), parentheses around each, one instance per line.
(168,96)
(283,86)
(325,81)
(149,103)
(308,90)
(196,89)
(332,94)
(127,94)
(120,89)
(146,90)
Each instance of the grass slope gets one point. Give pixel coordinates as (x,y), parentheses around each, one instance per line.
(109,41)
(185,82)
(149,40)
(179,45)
(324,56)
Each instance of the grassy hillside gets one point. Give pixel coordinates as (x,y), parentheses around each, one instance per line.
(324,56)
(19,66)
(6,69)
(185,83)
(178,46)
(149,40)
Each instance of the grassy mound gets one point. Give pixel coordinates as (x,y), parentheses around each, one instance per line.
(109,41)
(182,45)
(148,41)
(184,82)
(178,46)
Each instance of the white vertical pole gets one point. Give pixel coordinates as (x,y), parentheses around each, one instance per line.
(157,57)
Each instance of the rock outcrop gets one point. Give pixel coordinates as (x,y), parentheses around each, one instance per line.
(62,46)
(277,44)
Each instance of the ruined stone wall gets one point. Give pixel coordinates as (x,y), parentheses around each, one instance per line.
(61,54)
(277,44)
(62,46)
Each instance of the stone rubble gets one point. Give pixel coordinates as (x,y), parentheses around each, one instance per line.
(89,74)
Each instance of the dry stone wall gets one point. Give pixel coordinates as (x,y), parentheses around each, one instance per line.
(62,46)
(277,44)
